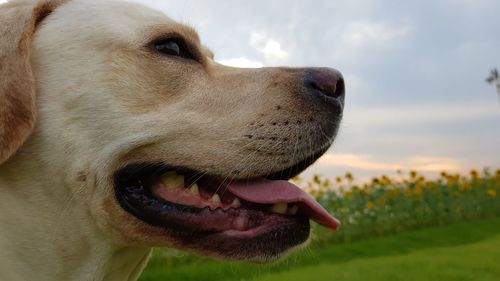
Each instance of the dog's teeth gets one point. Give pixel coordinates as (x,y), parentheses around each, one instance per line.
(236,203)
(172,180)
(280,208)
(215,199)
(293,210)
(194,189)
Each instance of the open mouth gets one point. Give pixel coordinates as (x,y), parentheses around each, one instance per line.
(192,203)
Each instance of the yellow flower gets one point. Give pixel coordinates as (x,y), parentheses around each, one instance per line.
(348,194)
(316,179)
(338,180)
(297,179)
(465,186)
(452,179)
(370,205)
(413,174)
(382,201)
(349,176)
(408,192)
(344,210)
(393,193)
(474,174)
(418,190)
(491,192)
(385,180)
(326,183)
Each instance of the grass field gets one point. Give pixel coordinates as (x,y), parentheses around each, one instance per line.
(461,251)
(478,261)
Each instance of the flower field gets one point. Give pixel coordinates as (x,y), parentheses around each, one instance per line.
(390,205)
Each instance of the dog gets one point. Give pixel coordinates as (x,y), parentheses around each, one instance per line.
(119,132)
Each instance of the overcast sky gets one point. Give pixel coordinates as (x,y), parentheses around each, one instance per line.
(415,72)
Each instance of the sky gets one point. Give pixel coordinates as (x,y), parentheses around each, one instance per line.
(415,72)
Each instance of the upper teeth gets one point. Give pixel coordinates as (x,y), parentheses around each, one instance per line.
(195,189)
(172,180)
(215,198)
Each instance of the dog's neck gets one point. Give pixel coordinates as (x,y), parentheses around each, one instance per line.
(45,234)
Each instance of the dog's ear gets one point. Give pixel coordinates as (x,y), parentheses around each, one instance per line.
(18,22)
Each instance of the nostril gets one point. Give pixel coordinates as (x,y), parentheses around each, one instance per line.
(329,82)
(339,89)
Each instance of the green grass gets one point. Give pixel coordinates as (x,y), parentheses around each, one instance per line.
(461,251)
(478,261)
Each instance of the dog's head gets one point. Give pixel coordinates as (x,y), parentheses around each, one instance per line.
(161,144)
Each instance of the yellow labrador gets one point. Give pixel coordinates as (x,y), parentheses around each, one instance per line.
(119,132)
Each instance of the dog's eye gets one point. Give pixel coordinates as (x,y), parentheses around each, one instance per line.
(173,47)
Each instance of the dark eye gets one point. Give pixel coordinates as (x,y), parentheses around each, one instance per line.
(172,47)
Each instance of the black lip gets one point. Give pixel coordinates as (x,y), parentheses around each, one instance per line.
(280,233)
(269,234)
(135,199)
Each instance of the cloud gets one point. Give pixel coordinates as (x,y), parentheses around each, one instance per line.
(257,38)
(362,34)
(270,49)
(242,62)
(273,53)
(359,40)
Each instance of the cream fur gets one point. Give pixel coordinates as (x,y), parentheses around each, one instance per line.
(103,100)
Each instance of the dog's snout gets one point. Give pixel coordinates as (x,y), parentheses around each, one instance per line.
(328,82)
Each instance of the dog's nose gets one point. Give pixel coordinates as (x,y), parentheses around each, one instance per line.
(327,82)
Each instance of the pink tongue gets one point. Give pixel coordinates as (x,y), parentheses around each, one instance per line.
(272,192)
